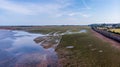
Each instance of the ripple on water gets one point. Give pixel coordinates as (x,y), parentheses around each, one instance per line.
(22,51)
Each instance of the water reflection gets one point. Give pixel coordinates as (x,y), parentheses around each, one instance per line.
(17,49)
(83,31)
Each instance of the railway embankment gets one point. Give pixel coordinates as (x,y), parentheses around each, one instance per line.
(107,34)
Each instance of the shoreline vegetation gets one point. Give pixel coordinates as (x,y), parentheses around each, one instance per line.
(85,49)
(88,51)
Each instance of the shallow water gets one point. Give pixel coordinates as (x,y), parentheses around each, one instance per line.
(70,32)
(70,47)
(18,49)
(83,31)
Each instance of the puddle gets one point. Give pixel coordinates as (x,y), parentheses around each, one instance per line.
(100,51)
(83,31)
(93,49)
(18,49)
(70,32)
(70,47)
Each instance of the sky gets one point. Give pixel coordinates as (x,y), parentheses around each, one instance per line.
(59,12)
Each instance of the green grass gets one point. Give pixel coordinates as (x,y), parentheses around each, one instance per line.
(61,29)
(86,51)
(87,48)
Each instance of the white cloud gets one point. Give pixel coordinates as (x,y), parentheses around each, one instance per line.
(12,7)
(73,14)
(79,14)
(86,15)
(39,12)
(39,8)
(33,8)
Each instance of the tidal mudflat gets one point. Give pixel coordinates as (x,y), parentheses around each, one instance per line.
(57,46)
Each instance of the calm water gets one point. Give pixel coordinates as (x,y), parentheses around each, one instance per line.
(18,49)
(83,31)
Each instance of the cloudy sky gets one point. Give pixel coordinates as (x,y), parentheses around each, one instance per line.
(52,12)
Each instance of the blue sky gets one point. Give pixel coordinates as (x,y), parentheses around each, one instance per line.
(58,12)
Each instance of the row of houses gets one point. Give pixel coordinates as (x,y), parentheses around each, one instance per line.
(107,25)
